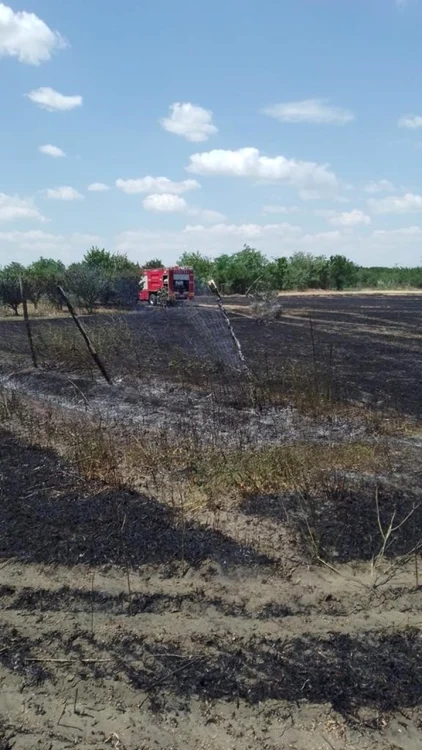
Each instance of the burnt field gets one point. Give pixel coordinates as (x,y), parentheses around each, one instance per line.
(365,348)
(194,559)
(370,346)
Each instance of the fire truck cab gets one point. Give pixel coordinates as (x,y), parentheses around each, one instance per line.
(173,284)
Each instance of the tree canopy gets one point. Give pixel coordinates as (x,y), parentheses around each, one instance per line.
(153,263)
(107,278)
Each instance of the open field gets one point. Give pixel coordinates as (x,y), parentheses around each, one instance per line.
(193,559)
(366,348)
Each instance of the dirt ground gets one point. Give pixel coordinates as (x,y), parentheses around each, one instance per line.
(128,625)
(121,629)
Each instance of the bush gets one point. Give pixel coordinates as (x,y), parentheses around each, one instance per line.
(88,285)
(10,293)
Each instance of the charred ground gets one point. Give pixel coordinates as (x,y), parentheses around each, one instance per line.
(250,595)
(367,347)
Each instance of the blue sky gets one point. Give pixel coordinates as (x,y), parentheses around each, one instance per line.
(157,127)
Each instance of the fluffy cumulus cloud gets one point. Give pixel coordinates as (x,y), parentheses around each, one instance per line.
(345,218)
(396,204)
(170,203)
(156,185)
(412,122)
(350,218)
(164,203)
(189,121)
(98,187)
(314,111)
(53,101)
(380,186)
(248,162)
(13,208)
(64,193)
(53,151)
(27,37)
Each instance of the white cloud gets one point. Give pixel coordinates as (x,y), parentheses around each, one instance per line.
(26,247)
(320,239)
(13,208)
(401,3)
(316,111)
(341,199)
(248,162)
(86,239)
(350,218)
(275,209)
(244,230)
(309,195)
(32,234)
(271,239)
(380,186)
(380,247)
(98,187)
(344,218)
(412,122)
(396,204)
(170,203)
(143,242)
(394,234)
(64,193)
(365,247)
(49,99)
(206,214)
(156,185)
(189,121)
(164,203)
(27,37)
(50,150)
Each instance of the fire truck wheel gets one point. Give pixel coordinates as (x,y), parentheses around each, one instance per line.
(152,299)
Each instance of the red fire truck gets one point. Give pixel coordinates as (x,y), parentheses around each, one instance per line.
(167,285)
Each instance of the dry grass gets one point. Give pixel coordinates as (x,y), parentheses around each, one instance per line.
(45,310)
(132,352)
(326,494)
(127,455)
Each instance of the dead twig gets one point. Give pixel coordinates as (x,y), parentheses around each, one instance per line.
(387,539)
(62,713)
